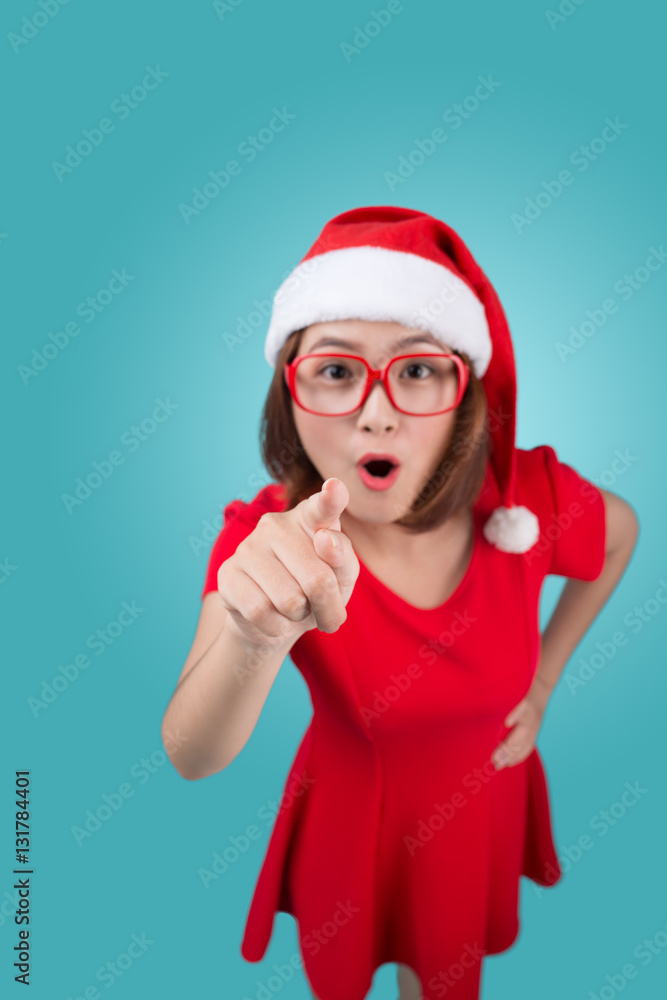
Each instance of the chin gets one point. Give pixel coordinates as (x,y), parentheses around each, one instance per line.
(379,508)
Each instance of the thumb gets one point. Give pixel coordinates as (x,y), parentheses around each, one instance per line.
(323,509)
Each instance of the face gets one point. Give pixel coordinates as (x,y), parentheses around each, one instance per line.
(335,444)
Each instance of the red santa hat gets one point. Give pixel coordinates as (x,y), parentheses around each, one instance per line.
(400,265)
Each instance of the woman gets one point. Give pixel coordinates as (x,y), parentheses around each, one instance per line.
(398,559)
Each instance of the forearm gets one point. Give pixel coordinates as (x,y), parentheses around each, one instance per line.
(579,604)
(215,707)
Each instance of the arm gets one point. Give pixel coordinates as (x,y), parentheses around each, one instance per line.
(581,600)
(222,689)
(578,605)
(295,571)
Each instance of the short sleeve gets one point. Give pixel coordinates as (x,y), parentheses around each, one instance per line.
(236,526)
(576,528)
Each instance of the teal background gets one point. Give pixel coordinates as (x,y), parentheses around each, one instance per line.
(141,535)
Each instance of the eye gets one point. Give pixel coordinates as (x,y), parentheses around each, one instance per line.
(335,365)
(418,364)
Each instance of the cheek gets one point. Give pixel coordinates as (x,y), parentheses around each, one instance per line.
(429,439)
(319,438)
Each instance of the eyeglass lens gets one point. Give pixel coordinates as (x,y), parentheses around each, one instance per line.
(329,384)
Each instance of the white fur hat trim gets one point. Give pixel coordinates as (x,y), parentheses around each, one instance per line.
(373,283)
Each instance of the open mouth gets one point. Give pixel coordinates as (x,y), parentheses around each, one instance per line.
(378,473)
(379,467)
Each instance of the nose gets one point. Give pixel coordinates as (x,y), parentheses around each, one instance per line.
(378,410)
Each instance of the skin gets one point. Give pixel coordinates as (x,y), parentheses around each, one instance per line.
(333,444)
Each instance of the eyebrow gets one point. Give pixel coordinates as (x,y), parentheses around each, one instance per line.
(404,342)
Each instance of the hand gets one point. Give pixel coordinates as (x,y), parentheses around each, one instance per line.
(526,718)
(287,577)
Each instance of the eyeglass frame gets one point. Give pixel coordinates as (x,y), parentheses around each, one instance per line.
(374,375)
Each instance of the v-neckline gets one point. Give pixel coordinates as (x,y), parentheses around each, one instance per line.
(474,556)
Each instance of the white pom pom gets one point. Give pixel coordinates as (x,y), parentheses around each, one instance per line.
(512,529)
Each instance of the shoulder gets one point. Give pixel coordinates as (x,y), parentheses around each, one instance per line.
(532,463)
(544,480)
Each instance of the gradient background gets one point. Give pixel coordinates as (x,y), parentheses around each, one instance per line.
(143,535)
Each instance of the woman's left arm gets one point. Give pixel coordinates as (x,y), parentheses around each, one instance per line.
(578,605)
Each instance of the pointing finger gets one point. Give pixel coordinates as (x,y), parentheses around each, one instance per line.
(323,509)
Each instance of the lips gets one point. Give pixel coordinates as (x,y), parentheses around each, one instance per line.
(378,463)
(378,470)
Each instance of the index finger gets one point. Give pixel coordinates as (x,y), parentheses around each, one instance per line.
(323,509)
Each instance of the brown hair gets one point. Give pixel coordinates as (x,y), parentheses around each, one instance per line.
(454,484)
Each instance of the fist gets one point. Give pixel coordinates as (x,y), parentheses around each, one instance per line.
(294,572)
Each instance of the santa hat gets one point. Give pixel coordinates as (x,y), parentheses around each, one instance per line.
(399,265)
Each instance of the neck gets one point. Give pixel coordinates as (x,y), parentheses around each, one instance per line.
(376,540)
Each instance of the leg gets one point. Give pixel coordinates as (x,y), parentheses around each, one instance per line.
(409,984)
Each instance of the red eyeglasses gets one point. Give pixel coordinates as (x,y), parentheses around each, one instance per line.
(315,389)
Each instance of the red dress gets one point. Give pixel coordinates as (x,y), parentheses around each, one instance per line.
(398,840)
